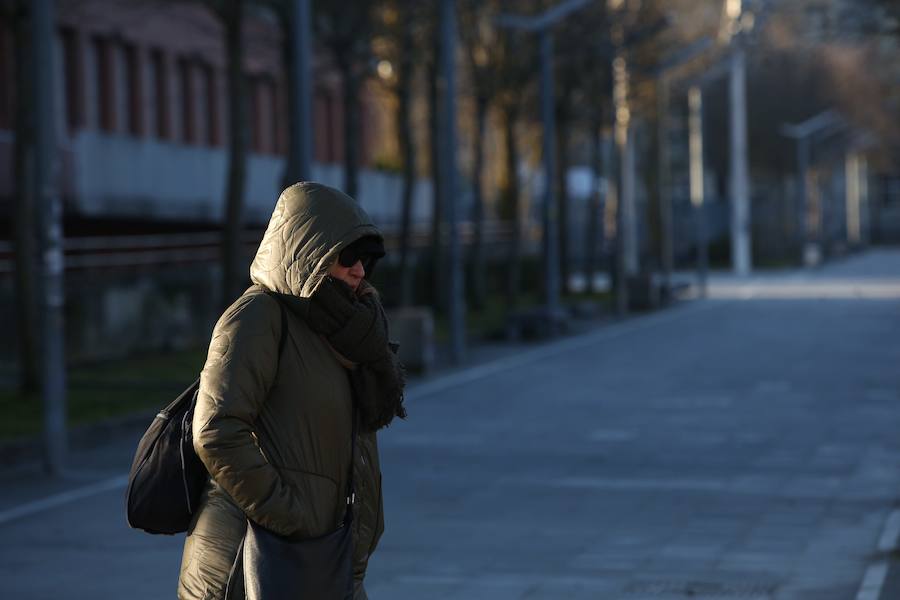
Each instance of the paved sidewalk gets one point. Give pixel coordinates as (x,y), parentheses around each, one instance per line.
(740,447)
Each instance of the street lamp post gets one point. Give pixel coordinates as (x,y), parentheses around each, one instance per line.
(741,260)
(49,219)
(736,25)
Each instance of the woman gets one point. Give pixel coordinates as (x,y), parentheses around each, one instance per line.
(273,426)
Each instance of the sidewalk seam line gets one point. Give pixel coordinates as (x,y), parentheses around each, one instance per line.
(36,506)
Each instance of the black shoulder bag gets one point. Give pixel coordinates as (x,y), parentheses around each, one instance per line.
(273,567)
(167,477)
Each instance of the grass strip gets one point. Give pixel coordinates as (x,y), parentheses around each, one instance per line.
(104,390)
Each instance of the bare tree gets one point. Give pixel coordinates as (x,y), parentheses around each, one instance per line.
(231,14)
(26,296)
(567,79)
(582,92)
(395,43)
(290,18)
(594,110)
(345,30)
(594,234)
(514,75)
(479,38)
(430,55)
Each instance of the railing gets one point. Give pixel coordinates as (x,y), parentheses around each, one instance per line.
(98,252)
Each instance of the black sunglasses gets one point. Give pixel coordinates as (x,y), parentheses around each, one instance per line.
(349,255)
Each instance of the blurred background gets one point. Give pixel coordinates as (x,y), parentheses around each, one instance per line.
(539,167)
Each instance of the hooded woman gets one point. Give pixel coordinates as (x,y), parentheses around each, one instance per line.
(274,415)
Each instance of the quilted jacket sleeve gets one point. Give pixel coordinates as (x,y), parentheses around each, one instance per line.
(240,369)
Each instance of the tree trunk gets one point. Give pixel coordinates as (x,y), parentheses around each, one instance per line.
(437,246)
(594,219)
(562,194)
(26,296)
(292,161)
(619,270)
(479,275)
(651,246)
(406,143)
(350,87)
(513,281)
(233,271)
(296,21)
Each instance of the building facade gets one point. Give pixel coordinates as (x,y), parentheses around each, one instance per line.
(142,113)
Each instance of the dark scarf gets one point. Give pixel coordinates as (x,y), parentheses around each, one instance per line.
(355,326)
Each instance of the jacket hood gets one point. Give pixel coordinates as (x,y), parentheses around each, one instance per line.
(309,227)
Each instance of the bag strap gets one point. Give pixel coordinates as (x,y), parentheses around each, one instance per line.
(351,490)
(284,328)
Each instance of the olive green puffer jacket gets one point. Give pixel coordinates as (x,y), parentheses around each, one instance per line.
(275,433)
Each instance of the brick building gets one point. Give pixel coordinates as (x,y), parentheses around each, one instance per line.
(142,113)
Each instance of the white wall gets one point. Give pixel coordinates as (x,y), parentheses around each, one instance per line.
(118,175)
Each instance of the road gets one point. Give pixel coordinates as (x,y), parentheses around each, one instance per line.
(743,446)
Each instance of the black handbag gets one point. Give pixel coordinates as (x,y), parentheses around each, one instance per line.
(167,477)
(272,567)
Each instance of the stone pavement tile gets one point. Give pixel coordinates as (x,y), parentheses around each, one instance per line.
(595,590)
(701,553)
(660,566)
(828,571)
(415,588)
(781,459)
(500,586)
(541,585)
(800,516)
(607,561)
(513,558)
(757,483)
(842,539)
(805,486)
(866,492)
(839,464)
(877,474)
(747,578)
(813,591)
(743,560)
(772,537)
(785,548)
(392,559)
(700,584)
(705,523)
